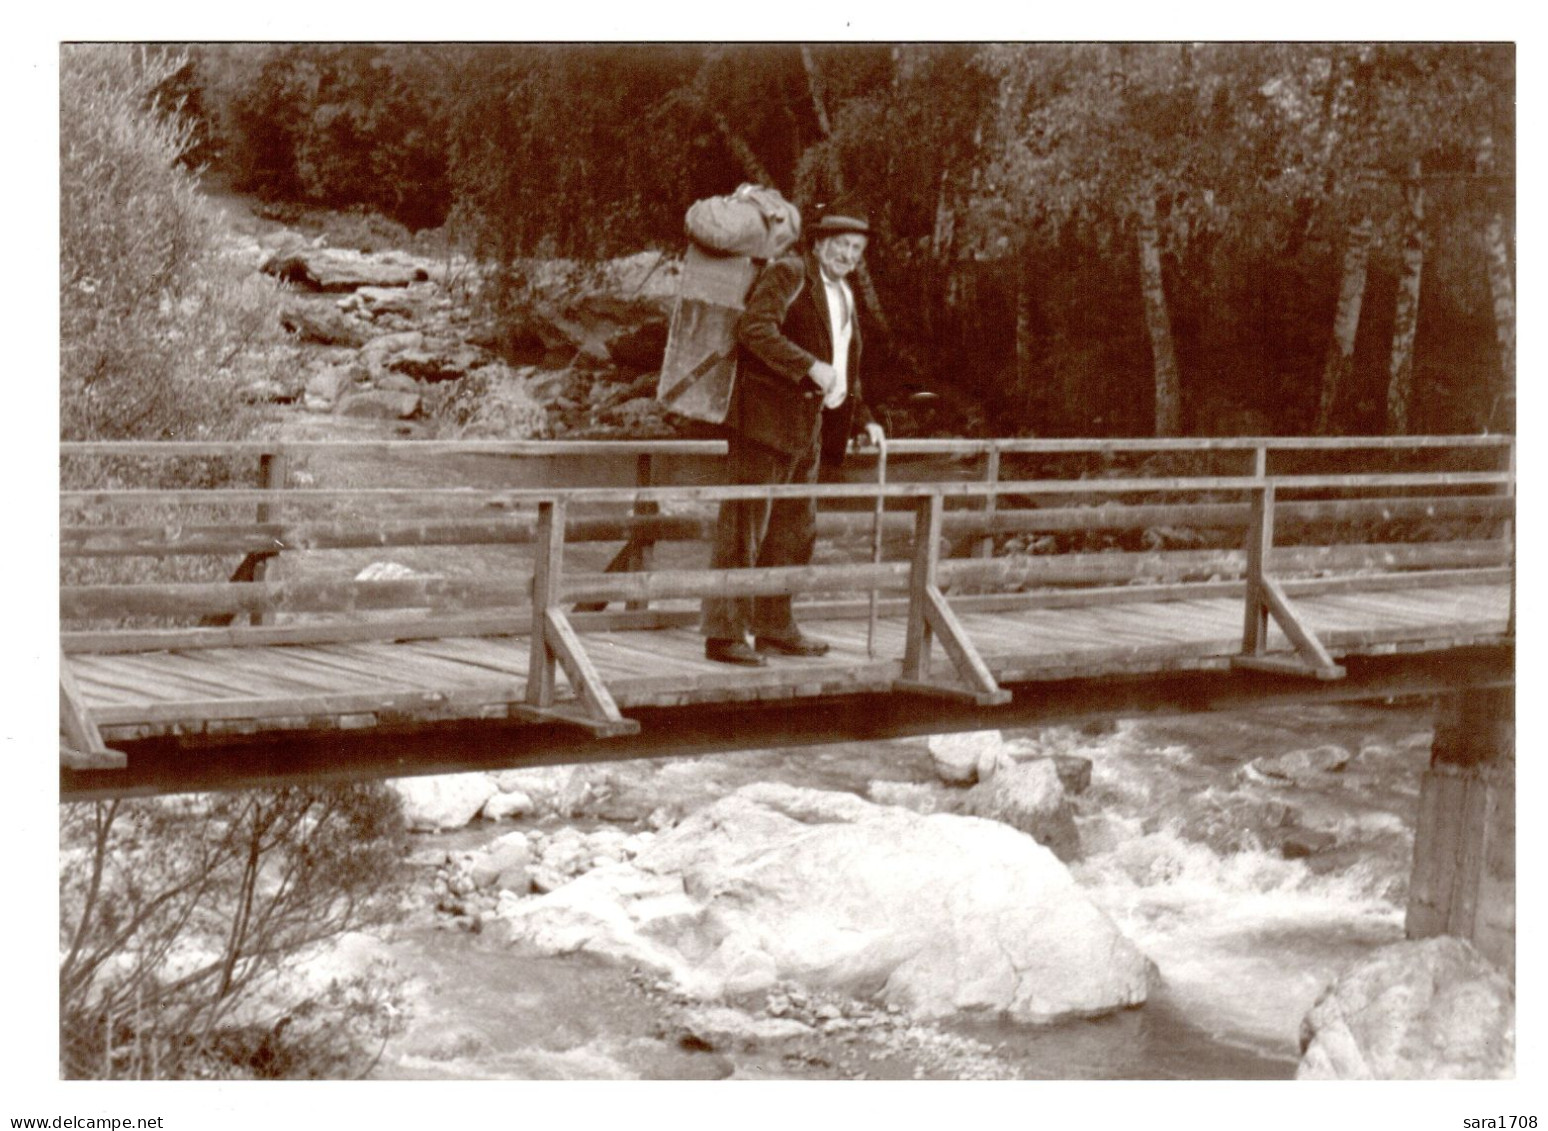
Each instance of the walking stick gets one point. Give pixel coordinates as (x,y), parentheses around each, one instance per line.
(876,541)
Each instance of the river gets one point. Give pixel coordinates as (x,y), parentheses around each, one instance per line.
(1184,849)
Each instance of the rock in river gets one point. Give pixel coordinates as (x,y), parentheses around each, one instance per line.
(444,801)
(938,913)
(1433,1009)
(1029,796)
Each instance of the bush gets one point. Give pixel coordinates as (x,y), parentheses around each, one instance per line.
(160,332)
(186,922)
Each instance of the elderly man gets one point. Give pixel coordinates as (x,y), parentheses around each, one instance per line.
(797,402)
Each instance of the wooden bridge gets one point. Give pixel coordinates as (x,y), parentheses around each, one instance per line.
(356,608)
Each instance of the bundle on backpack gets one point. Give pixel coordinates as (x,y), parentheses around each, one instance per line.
(731,237)
(753,221)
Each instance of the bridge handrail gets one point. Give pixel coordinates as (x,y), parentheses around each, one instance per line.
(969,506)
(550,448)
(720,493)
(234,537)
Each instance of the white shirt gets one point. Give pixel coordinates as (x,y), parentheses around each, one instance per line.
(841,318)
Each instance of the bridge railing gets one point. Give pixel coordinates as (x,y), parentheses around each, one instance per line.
(1043,526)
(965,526)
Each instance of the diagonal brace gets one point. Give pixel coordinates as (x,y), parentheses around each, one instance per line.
(1265,599)
(978,682)
(598,711)
(1313,658)
(81,746)
(554,639)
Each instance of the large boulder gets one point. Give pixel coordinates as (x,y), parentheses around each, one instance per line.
(406,302)
(602,327)
(330,270)
(1298,767)
(435,365)
(328,385)
(939,914)
(507,803)
(321,324)
(379,404)
(1029,796)
(444,801)
(504,864)
(962,759)
(1433,1009)
(557,790)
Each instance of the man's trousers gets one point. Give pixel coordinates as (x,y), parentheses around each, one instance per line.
(758,533)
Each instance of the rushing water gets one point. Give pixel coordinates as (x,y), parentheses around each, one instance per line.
(1184,851)
(1184,848)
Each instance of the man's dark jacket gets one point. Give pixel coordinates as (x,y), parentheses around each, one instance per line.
(783,330)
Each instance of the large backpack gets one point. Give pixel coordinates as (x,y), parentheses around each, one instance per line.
(731,238)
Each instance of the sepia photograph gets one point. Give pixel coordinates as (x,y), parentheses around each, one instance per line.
(831,560)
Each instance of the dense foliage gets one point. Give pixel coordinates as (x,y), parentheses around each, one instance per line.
(1013,189)
(159,332)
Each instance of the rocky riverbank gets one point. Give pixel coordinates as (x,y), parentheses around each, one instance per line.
(398,336)
(649,879)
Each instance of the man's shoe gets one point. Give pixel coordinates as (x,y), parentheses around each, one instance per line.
(732,652)
(798,645)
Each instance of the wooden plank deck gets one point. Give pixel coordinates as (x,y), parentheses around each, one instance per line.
(281,687)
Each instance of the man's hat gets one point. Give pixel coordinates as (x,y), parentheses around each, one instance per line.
(844,215)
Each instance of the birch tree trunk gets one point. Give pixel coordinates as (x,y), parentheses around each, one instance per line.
(1503,290)
(944,233)
(1346,323)
(1400,372)
(1158,323)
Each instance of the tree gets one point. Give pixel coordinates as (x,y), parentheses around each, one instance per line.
(1346,323)
(179,919)
(1400,380)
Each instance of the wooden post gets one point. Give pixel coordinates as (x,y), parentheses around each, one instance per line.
(273,473)
(642,546)
(1260,461)
(554,643)
(985,547)
(1464,878)
(1508,527)
(921,579)
(547,575)
(929,616)
(1266,598)
(1260,542)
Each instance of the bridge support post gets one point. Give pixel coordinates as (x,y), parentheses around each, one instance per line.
(1266,598)
(1464,878)
(273,474)
(929,615)
(555,645)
